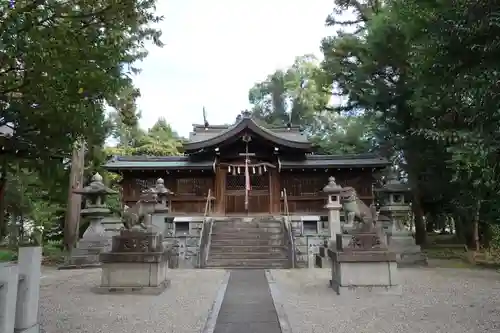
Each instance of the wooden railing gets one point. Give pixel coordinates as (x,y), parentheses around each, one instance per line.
(206,232)
(288,229)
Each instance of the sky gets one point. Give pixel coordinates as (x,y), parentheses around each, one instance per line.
(216,50)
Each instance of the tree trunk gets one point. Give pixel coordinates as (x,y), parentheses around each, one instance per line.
(72,221)
(3,186)
(420,231)
(459,230)
(475,231)
(430,223)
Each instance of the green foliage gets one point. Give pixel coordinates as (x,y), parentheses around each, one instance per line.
(61,63)
(297,94)
(7,255)
(51,92)
(425,73)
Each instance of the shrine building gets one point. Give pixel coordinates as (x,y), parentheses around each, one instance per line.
(248,168)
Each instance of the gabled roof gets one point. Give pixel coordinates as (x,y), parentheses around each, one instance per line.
(203,137)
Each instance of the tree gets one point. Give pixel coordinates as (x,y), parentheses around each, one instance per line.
(290,93)
(407,65)
(297,91)
(59,62)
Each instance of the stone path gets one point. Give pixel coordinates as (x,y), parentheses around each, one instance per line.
(247,306)
(68,305)
(433,300)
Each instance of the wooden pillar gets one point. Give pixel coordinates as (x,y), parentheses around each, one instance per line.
(220,190)
(274,192)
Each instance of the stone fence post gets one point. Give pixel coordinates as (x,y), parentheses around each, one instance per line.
(9,278)
(28,291)
(20,292)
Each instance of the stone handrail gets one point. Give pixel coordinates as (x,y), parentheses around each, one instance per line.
(205,232)
(288,229)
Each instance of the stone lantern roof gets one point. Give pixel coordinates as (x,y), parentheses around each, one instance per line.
(95,188)
(332,187)
(394,185)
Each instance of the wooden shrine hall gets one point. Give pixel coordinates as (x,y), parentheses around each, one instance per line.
(247,167)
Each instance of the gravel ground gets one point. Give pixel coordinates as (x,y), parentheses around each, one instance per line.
(68,305)
(433,301)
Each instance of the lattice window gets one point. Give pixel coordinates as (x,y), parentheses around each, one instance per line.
(193,186)
(304,186)
(237,182)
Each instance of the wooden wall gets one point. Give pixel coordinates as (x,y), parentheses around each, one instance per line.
(304,188)
(190,189)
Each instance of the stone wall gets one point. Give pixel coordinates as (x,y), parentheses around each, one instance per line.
(309,232)
(183,233)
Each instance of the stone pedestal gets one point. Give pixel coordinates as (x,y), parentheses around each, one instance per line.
(95,241)
(137,263)
(361,263)
(407,252)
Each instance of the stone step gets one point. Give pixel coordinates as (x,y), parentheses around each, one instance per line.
(247,229)
(246,248)
(247,242)
(248,224)
(246,255)
(243,235)
(248,263)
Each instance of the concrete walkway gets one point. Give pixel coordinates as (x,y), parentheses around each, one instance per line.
(247,306)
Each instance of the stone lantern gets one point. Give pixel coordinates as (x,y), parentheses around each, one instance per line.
(395,205)
(163,194)
(94,240)
(395,211)
(332,189)
(162,206)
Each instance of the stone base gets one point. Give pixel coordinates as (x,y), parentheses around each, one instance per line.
(156,290)
(80,266)
(32,329)
(411,259)
(366,290)
(364,270)
(86,255)
(133,274)
(408,253)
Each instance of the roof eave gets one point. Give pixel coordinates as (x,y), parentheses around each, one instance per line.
(338,166)
(147,167)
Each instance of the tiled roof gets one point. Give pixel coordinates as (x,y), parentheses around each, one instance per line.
(153,162)
(344,161)
(183,162)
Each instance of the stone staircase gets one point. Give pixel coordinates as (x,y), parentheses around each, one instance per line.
(248,243)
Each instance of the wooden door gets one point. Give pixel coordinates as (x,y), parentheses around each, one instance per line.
(258,200)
